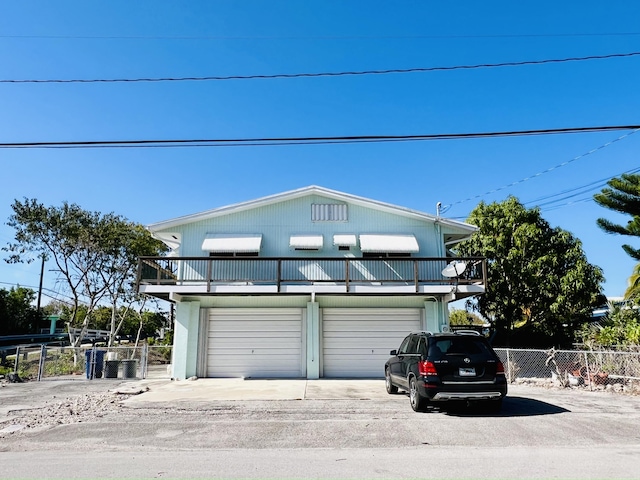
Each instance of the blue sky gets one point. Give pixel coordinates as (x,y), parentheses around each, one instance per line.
(42,40)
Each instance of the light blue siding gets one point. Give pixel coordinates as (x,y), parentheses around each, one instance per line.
(279,221)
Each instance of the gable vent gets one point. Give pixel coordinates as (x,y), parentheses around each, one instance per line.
(328,212)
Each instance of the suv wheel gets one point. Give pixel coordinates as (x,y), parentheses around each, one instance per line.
(391,388)
(418,402)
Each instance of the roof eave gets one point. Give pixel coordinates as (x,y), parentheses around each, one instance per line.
(301,192)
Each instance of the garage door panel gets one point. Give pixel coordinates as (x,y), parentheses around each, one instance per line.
(257,343)
(373,327)
(235,342)
(264,326)
(274,363)
(335,347)
(364,352)
(272,352)
(357,342)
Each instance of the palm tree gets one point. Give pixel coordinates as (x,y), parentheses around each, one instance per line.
(633,290)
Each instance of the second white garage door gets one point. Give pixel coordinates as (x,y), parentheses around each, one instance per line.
(357,341)
(259,343)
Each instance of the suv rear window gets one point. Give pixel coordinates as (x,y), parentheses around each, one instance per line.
(459,346)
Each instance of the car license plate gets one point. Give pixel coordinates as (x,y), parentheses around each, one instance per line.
(467,372)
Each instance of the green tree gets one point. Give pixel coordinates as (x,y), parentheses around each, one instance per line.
(464,317)
(619,328)
(633,290)
(95,254)
(130,241)
(17,314)
(540,286)
(623,196)
(134,323)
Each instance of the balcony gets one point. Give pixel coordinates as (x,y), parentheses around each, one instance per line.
(163,277)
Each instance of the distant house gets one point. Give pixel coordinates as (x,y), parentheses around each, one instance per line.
(601,312)
(308,283)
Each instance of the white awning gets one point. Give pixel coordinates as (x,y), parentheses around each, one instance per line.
(306,242)
(344,240)
(389,243)
(230,243)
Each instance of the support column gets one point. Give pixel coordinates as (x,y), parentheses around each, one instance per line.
(434,316)
(313,340)
(185,340)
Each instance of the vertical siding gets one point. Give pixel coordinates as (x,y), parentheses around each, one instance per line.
(279,221)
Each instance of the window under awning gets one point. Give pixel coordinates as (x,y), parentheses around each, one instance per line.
(306,242)
(232,243)
(344,240)
(389,243)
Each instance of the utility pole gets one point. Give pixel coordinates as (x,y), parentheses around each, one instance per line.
(43,256)
(40,292)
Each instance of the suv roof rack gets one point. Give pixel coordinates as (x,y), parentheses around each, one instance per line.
(467,332)
(426,332)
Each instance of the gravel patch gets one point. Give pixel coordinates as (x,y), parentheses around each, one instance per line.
(88,407)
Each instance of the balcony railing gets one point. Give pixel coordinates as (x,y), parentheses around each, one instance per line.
(211,271)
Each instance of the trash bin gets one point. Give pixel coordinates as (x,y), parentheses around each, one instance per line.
(111,368)
(94,361)
(129,368)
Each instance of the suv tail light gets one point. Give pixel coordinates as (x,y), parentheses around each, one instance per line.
(427,368)
(500,367)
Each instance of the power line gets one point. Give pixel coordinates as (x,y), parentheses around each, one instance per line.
(327,74)
(576,195)
(44,290)
(315,37)
(550,169)
(570,193)
(278,141)
(576,191)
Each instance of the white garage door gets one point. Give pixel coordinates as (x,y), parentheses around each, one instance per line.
(357,341)
(261,342)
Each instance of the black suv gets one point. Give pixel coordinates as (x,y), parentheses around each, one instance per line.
(440,367)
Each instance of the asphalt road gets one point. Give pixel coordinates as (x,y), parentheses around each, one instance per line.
(86,432)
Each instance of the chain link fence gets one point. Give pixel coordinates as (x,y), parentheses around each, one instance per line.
(613,371)
(48,362)
(587,369)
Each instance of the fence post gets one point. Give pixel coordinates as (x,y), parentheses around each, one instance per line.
(15,364)
(92,364)
(144,360)
(509,367)
(43,357)
(586,363)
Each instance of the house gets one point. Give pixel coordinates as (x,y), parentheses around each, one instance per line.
(308,283)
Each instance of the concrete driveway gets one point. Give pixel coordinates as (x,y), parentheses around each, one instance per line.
(212,389)
(306,429)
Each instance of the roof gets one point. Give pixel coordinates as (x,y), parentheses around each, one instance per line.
(303,192)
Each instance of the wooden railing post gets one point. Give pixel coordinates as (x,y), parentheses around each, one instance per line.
(279,275)
(426,271)
(138,275)
(346,274)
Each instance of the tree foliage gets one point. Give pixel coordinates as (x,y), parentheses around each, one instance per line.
(95,254)
(17,315)
(540,286)
(620,328)
(464,317)
(151,320)
(623,196)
